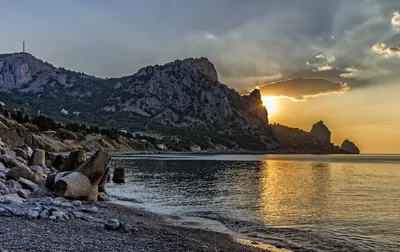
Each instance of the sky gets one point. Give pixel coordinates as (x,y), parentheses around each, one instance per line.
(335,61)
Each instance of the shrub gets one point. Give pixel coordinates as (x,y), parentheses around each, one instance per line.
(45,123)
(80,136)
(32,128)
(64,134)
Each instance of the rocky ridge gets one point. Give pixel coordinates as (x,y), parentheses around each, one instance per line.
(183,97)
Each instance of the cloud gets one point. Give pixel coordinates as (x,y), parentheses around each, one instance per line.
(301,89)
(383,49)
(350,73)
(396,20)
(210,36)
(324,68)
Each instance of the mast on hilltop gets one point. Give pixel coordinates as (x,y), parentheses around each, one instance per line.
(23,46)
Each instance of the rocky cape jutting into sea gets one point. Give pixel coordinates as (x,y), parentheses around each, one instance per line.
(50,205)
(171,107)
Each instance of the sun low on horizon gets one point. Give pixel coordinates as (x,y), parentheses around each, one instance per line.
(270,104)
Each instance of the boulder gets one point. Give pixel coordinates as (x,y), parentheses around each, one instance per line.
(4,189)
(350,147)
(9,161)
(22,171)
(3,168)
(52,179)
(28,150)
(38,158)
(21,153)
(103,181)
(102,197)
(74,186)
(84,181)
(44,214)
(95,167)
(20,159)
(13,186)
(58,161)
(75,159)
(12,198)
(119,175)
(27,184)
(24,193)
(112,224)
(11,153)
(37,169)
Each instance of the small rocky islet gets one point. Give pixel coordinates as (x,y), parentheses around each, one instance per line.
(63,208)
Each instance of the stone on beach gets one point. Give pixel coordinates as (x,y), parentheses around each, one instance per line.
(119,175)
(44,214)
(125,227)
(32,214)
(21,153)
(13,186)
(103,181)
(74,186)
(102,197)
(84,181)
(91,210)
(22,171)
(27,184)
(24,193)
(58,161)
(36,169)
(9,161)
(74,160)
(112,224)
(12,198)
(53,178)
(38,158)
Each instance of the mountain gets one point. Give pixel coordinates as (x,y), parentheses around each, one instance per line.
(183,98)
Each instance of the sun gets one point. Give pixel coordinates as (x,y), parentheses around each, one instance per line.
(270,103)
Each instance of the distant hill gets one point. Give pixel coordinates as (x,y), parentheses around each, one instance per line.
(183,98)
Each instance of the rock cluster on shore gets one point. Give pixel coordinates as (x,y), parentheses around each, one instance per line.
(30,187)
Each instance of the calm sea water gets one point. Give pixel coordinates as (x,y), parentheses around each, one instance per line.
(301,202)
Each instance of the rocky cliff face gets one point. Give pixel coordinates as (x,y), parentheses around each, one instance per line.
(181,97)
(349,147)
(321,131)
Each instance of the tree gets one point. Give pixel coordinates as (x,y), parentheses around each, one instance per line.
(26,118)
(64,134)
(45,123)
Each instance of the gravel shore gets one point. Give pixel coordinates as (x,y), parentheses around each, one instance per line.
(149,232)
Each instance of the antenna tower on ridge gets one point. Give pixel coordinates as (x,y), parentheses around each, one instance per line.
(23,46)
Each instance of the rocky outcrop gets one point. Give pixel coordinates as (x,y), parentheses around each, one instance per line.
(321,131)
(184,96)
(349,147)
(295,140)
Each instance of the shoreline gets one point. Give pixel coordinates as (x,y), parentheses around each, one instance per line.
(150,232)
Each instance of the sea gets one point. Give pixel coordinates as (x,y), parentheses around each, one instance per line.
(295,202)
